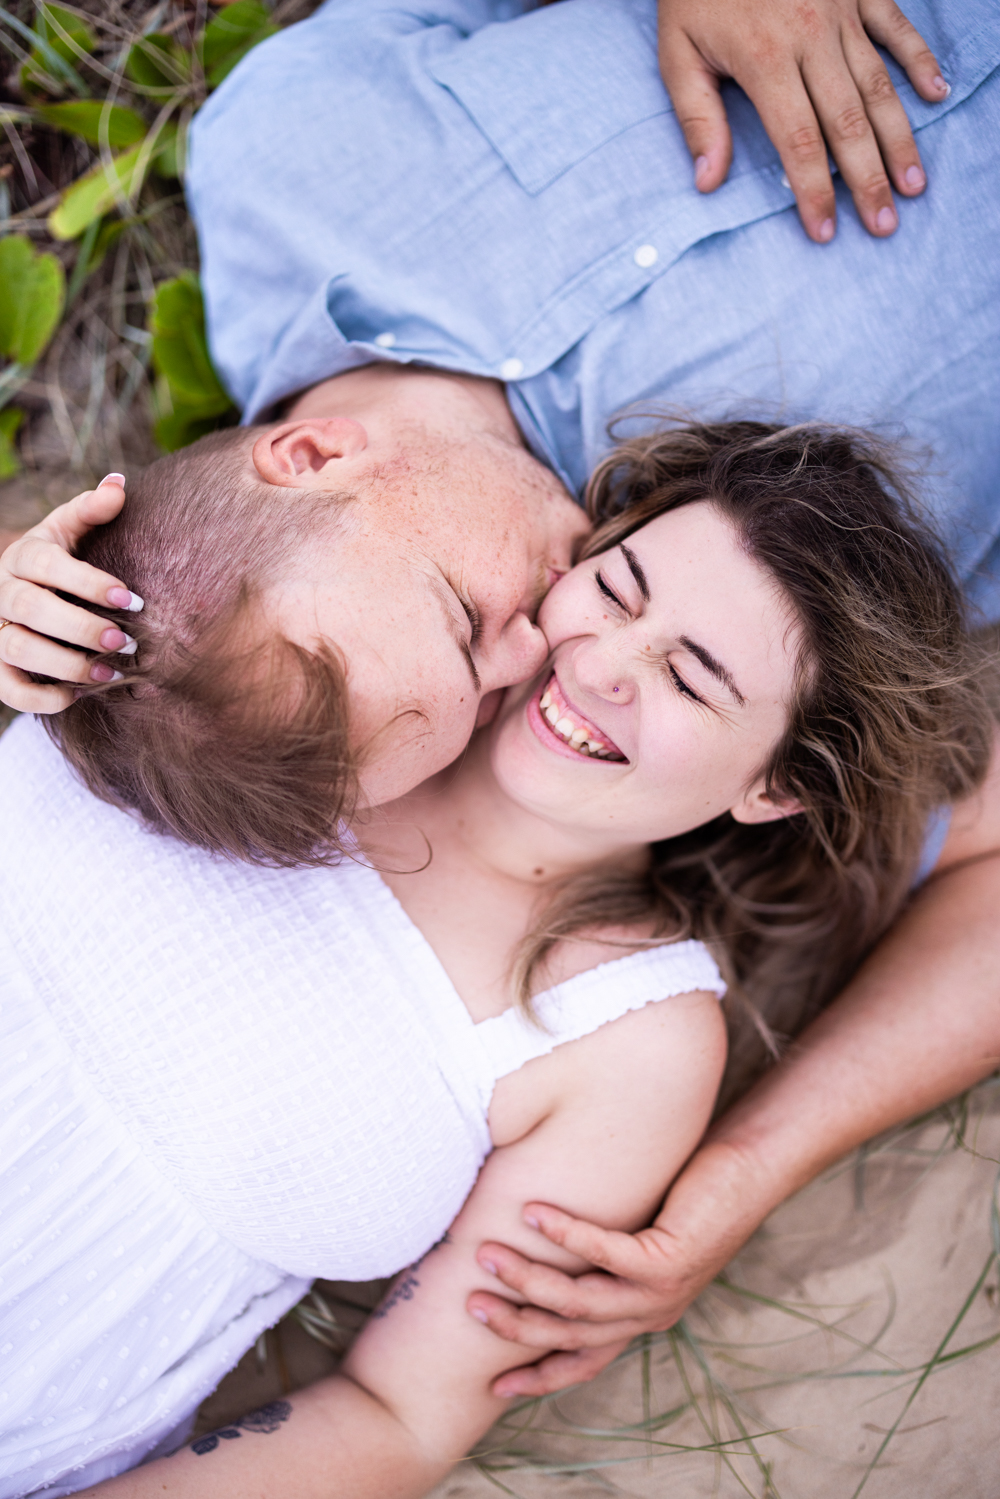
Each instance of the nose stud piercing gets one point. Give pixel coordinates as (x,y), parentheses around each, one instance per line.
(616,689)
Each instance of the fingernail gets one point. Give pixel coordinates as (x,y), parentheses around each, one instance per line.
(122,598)
(505,1394)
(489,1265)
(914,177)
(118,479)
(886,220)
(479,1314)
(101,672)
(700,167)
(826,230)
(129,648)
(943,88)
(113,639)
(531,1222)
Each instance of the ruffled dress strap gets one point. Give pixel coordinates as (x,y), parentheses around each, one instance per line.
(595,998)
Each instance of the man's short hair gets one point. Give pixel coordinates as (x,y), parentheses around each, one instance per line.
(223,733)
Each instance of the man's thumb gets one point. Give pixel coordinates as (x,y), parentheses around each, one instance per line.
(697,99)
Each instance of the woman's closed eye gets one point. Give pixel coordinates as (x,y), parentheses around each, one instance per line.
(681,685)
(675,676)
(608,593)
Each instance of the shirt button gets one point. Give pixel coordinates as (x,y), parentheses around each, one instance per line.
(512,368)
(386,340)
(646,255)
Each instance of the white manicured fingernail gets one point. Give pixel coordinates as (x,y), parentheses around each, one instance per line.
(942,87)
(124,598)
(129,648)
(118,479)
(101,672)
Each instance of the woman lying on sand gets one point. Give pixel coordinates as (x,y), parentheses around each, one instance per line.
(234,1078)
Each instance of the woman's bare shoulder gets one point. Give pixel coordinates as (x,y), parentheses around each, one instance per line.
(591,947)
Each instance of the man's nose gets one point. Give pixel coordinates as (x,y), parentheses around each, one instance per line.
(518,653)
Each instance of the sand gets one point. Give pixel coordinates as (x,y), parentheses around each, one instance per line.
(833,1312)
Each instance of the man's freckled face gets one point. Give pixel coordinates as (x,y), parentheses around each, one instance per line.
(429,592)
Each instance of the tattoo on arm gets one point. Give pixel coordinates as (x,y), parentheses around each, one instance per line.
(264,1421)
(403,1289)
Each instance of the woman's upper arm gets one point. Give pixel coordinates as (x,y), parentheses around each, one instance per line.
(618,1113)
(975,823)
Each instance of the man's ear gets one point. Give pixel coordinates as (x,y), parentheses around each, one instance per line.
(756,806)
(306,453)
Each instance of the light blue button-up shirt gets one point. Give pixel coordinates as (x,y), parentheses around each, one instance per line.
(484,187)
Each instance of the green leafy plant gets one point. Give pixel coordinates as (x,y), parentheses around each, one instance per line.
(107,100)
(60,38)
(158,64)
(230,35)
(190,397)
(10,420)
(100,124)
(32,296)
(111,184)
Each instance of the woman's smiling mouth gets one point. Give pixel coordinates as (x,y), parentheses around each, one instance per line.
(554,719)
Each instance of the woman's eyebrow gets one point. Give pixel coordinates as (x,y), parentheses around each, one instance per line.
(721,673)
(635,568)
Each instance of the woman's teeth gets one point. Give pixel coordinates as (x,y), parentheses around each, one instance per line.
(571,732)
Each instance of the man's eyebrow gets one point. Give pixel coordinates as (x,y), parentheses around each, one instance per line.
(721,673)
(635,568)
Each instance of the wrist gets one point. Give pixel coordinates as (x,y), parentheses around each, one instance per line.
(719,1200)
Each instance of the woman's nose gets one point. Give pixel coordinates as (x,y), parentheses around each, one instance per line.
(518,653)
(603,670)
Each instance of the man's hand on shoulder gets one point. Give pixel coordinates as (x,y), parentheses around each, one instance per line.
(812,71)
(31,568)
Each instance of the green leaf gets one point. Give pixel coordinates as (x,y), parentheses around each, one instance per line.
(158,62)
(230,35)
(180,349)
(32,294)
(88,118)
(10,463)
(45,68)
(61,29)
(190,399)
(93,194)
(168,160)
(183,426)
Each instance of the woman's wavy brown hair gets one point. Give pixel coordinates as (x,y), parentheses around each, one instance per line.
(890,720)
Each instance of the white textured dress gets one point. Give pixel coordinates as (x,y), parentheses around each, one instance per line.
(216,1083)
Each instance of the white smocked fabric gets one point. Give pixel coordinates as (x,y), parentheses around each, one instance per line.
(218,1082)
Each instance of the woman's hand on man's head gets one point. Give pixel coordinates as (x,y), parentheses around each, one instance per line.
(820,87)
(37,621)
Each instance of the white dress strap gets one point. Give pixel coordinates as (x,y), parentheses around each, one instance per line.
(595,998)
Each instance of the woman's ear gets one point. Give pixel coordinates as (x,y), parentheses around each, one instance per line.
(755,805)
(305,454)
